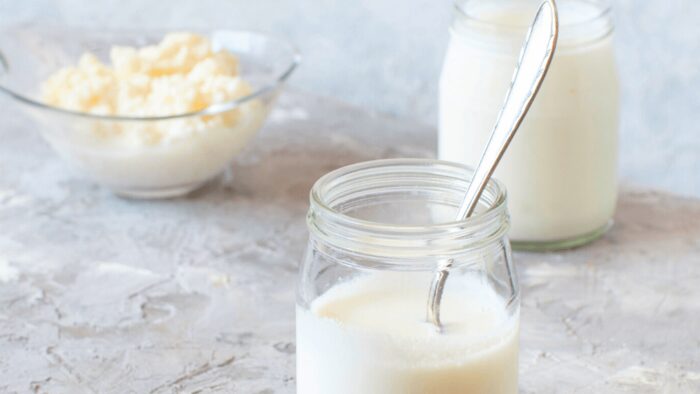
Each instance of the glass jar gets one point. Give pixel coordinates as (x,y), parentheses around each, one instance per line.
(378,231)
(561,168)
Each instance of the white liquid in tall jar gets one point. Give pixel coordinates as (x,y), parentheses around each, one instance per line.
(370,336)
(560,170)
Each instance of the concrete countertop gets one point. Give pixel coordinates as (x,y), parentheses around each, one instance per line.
(102,294)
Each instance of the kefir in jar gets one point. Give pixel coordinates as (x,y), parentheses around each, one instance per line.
(561,168)
(378,230)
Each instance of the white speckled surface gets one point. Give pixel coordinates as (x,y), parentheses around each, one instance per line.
(102,294)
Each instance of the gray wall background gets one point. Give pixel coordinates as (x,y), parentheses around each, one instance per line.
(385,55)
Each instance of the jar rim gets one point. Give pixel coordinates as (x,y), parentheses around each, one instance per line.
(346,231)
(604,10)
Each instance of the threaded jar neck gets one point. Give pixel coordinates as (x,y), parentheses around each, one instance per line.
(504,23)
(402,211)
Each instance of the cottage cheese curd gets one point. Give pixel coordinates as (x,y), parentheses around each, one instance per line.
(182,74)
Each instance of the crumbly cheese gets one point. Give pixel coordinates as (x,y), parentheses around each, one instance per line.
(181,74)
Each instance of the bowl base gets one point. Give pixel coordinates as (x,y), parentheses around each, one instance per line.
(160,193)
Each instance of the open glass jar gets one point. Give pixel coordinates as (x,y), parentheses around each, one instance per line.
(378,231)
(561,168)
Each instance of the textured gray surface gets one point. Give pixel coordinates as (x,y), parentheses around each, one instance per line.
(102,294)
(386,55)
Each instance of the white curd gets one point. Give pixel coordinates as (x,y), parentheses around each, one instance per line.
(560,170)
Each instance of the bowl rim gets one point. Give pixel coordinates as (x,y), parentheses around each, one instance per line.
(277,81)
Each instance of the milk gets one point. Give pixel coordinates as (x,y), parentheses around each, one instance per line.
(560,170)
(369,335)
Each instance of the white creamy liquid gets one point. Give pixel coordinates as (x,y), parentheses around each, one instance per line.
(560,170)
(369,336)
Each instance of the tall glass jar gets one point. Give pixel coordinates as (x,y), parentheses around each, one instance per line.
(561,168)
(378,231)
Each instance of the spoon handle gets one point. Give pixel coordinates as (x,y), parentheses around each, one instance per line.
(535,58)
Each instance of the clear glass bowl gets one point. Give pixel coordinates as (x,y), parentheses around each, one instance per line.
(28,56)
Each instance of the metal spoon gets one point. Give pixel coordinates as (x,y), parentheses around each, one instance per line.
(535,58)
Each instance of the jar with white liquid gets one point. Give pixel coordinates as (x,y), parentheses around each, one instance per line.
(378,230)
(561,167)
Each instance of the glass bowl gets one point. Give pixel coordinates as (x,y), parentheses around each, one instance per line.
(28,56)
